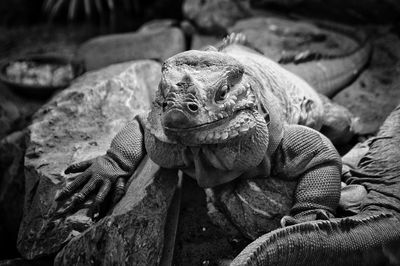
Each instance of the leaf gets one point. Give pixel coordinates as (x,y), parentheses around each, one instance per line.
(72,9)
(99,6)
(110,4)
(88,9)
(47,5)
(136,6)
(56,8)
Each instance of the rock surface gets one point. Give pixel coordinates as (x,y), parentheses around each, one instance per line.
(9,115)
(158,44)
(200,41)
(15,111)
(77,124)
(12,150)
(374,95)
(24,262)
(158,24)
(353,10)
(252,206)
(198,240)
(215,16)
(133,233)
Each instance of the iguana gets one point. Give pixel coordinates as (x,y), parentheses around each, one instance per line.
(221,114)
(355,240)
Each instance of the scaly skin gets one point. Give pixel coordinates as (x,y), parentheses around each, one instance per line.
(354,240)
(223,114)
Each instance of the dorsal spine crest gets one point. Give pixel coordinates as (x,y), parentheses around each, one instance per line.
(233,38)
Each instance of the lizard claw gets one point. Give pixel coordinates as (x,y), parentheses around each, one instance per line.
(69,189)
(119,191)
(78,167)
(76,199)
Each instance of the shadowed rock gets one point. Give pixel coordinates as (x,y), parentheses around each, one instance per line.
(215,16)
(158,44)
(12,150)
(252,206)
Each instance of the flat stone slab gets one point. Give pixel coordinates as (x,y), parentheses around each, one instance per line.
(158,44)
(200,41)
(215,16)
(77,124)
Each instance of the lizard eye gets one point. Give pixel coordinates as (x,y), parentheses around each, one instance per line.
(221,93)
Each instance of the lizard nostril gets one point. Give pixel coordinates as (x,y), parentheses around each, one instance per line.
(193,107)
(176,119)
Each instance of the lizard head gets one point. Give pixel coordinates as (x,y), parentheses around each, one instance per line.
(204,97)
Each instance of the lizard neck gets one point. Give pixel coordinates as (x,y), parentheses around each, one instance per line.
(214,164)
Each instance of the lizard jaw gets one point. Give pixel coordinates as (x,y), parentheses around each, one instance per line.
(222,130)
(199,127)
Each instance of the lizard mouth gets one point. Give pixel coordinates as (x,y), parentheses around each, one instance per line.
(202,126)
(239,123)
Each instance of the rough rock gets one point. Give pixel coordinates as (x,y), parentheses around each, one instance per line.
(200,41)
(115,48)
(14,262)
(376,92)
(9,115)
(15,111)
(77,124)
(275,36)
(198,240)
(252,206)
(215,16)
(12,150)
(158,24)
(350,10)
(133,233)
(24,262)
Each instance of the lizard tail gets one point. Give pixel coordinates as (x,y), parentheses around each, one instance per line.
(328,74)
(356,240)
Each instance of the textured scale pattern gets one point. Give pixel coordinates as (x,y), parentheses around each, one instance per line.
(382,163)
(309,156)
(127,148)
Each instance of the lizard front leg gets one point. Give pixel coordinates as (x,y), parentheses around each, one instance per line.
(308,156)
(104,173)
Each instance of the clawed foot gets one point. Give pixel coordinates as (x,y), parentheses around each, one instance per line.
(306,216)
(98,177)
